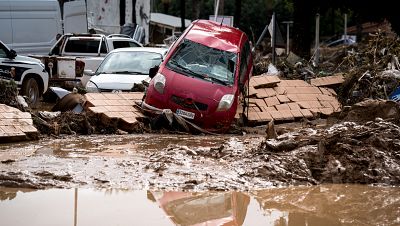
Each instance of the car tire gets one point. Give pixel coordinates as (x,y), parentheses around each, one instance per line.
(30,89)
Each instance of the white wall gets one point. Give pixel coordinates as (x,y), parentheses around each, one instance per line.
(104,14)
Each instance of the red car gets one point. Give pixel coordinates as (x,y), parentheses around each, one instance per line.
(203,75)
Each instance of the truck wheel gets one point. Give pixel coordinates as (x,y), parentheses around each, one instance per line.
(30,88)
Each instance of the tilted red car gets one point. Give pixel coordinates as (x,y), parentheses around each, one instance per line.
(203,75)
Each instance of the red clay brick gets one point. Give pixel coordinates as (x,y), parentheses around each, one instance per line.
(112,114)
(315,104)
(304,104)
(271,101)
(326,111)
(283,98)
(253,116)
(296,113)
(306,113)
(280,90)
(260,103)
(98,110)
(282,107)
(293,97)
(293,106)
(28,129)
(265,116)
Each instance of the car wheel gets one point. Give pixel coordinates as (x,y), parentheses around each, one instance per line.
(30,89)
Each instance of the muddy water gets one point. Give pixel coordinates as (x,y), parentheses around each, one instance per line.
(300,206)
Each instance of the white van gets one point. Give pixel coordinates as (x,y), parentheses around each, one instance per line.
(31,26)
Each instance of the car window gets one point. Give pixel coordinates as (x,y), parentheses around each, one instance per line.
(134,62)
(3,51)
(194,59)
(82,46)
(124,44)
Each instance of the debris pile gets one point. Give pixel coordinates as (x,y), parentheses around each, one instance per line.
(287,100)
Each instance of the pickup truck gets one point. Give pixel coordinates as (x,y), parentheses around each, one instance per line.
(74,53)
(28,73)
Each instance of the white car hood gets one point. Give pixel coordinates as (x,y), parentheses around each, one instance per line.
(26,59)
(123,82)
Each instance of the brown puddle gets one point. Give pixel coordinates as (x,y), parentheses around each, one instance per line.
(300,206)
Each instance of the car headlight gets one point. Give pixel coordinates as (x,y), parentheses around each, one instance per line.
(91,87)
(159,83)
(226,102)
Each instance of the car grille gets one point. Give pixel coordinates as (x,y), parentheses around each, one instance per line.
(181,101)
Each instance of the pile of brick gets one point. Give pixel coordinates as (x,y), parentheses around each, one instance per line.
(116,107)
(16,125)
(288,100)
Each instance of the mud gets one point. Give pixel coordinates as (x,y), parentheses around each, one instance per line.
(303,205)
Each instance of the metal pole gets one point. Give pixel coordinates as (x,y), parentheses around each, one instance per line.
(345,27)
(287,35)
(316,57)
(273,38)
(76,207)
(216,10)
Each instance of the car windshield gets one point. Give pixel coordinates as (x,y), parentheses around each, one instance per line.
(197,60)
(138,62)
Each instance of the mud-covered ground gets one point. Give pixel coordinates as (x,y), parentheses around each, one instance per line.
(360,145)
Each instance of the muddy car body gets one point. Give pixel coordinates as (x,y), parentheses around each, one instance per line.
(203,75)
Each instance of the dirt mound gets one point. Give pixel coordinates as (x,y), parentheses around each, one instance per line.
(369,110)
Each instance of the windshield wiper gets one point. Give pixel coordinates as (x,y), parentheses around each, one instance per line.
(217,80)
(129,72)
(187,70)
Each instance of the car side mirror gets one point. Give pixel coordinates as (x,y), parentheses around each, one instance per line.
(88,72)
(12,54)
(153,71)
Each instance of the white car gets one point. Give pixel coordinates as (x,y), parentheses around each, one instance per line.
(27,72)
(124,67)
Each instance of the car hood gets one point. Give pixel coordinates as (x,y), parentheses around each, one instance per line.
(117,81)
(195,88)
(26,59)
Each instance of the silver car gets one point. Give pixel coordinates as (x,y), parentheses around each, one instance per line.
(122,68)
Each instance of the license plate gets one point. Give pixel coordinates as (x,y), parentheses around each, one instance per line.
(185,114)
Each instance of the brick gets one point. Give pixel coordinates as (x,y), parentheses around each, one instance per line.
(325,91)
(127,108)
(280,90)
(112,102)
(12,130)
(283,98)
(292,90)
(265,81)
(336,105)
(306,113)
(28,129)
(325,104)
(260,103)
(252,91)
(304,104)
(97,102)
(271,101)
(130,120)
(267,109)
(326,111)
(276,115)
(261,93)
(9,115)
(112,114)
(293,97)
(98,110)
(293,106)
(111,96)
(315,104)
(253,116)
(113,108)
(287,115)
(282,107)
(270,92)
(265,116)
(127,114)
(296,113)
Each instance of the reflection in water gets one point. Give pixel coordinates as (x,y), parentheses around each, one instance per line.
(212,208)
(299,206)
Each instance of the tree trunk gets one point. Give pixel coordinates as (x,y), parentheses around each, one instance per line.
(302,18)
(196,9)
(238,12)
(182,5)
